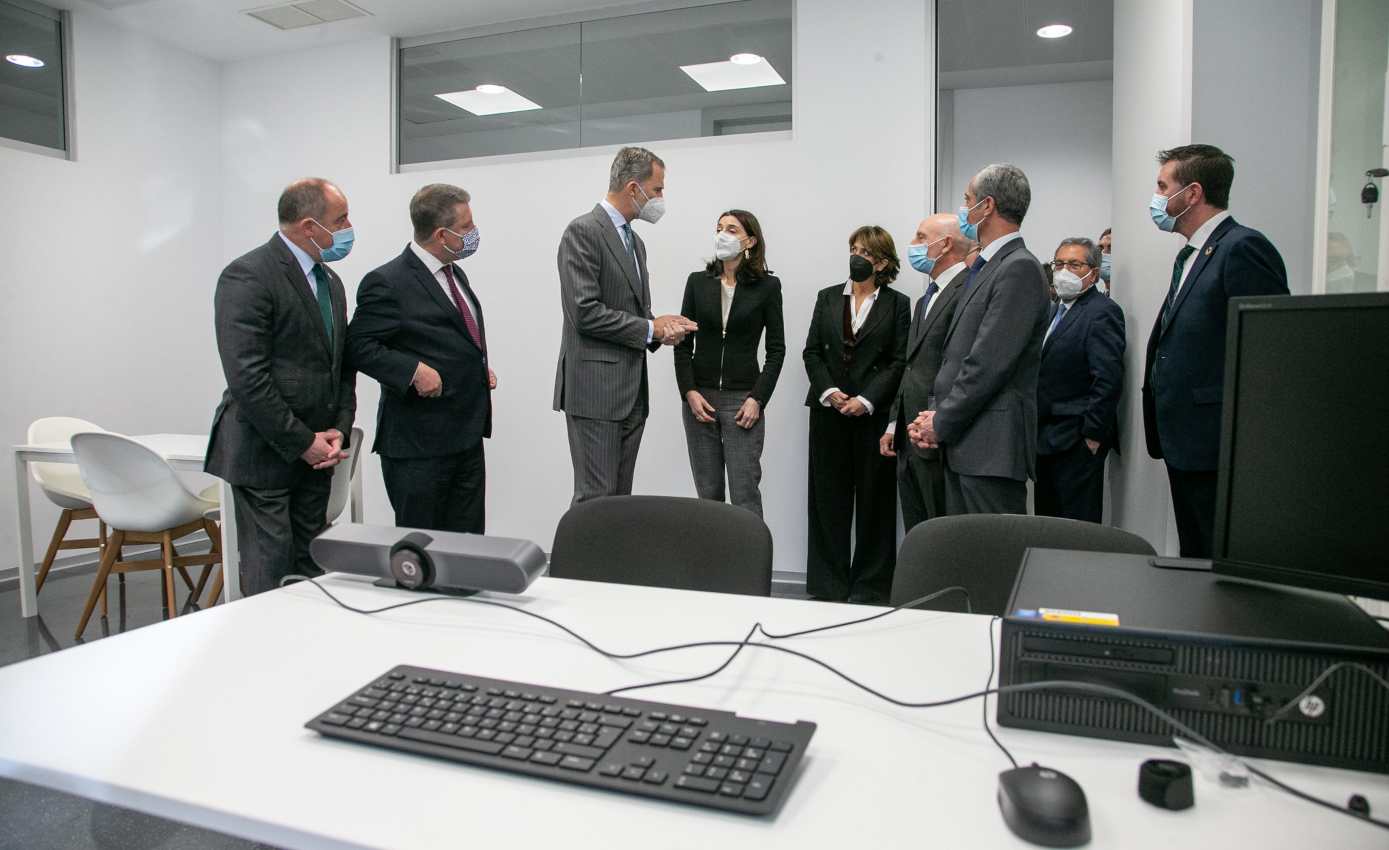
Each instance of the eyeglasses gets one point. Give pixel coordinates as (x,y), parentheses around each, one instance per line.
(1073,265)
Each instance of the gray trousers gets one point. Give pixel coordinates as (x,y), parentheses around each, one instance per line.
(722,445)
(604,454)
(274,528)
(983,494)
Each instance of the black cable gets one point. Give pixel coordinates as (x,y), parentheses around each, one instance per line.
(1026,687)
(719,669)
(989,683)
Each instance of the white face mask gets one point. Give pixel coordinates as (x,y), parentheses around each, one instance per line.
(726,245)
(653,209)
(1068,285)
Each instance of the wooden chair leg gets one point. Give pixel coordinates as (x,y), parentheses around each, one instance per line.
(183,573)
(215,594)
(102,574)
(168,547)
(202,582)
(59,532)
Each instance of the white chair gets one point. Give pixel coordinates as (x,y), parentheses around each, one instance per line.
(341,490)
(62,484)
(141,498)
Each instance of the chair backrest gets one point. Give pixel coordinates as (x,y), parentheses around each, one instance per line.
(59,478)
(982,553)
(132,487)
(343,474)
(665,541)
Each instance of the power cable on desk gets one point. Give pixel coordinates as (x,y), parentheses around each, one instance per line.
(1047,685)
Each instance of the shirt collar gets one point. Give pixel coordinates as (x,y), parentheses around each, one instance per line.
(305,261)
(989,252)
(431,262)
(948,275)
(849,290)
(1203,233)
(618,219)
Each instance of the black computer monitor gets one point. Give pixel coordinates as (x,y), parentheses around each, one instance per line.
(1303,493)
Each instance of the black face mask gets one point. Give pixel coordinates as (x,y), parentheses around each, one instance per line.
(860,269)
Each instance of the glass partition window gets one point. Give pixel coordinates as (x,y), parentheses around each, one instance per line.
(707,71)
(32,105)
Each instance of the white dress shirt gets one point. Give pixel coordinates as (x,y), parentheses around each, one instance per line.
(436,268)
(858,317)
(989,251)
(305,262)
(620,221)
(726,302)
(1198,241)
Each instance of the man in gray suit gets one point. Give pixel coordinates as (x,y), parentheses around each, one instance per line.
(985,416)
(605,294)
(938,251)
(281,322)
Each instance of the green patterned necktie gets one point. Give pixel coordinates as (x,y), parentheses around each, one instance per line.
(325,299)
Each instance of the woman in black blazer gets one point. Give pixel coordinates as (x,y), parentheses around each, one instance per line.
(854,355)
(733,300)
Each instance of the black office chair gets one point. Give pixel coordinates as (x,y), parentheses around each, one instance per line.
(982,553)
(664,541)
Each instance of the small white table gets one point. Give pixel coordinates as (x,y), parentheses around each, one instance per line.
(184,452)
(200,719)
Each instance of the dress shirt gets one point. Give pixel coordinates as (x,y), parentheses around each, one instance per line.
(858,317)
(949,274)
(726,302)
(620,221)
(305,262)
(436,269)
(1198,241)
(989,251)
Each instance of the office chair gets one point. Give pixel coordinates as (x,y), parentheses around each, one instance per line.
(62,484)
(717,547)
(982,553)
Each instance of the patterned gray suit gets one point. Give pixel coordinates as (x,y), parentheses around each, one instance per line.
(600,380)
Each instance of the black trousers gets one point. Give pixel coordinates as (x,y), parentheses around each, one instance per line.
(921,485)
(852,489)
(1193,502)
(983,494)
(1070,484)
(274,528)
(446,493)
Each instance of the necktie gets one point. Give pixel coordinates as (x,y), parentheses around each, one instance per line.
(630,241)
(468,321)
(921,307)
(1056,320)
(974,270)
(325,299)
(1172,290)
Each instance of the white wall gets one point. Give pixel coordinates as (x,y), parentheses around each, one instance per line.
(1058,133)
(109,261)
(810,188)
(1255,69)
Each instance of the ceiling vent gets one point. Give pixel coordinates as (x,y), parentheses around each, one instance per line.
(308,13)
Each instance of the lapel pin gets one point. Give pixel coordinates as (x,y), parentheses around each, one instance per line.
(1210,250)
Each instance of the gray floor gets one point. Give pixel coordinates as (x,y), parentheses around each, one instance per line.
(36,818)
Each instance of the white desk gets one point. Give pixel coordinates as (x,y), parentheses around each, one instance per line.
(185,452)
(201,719)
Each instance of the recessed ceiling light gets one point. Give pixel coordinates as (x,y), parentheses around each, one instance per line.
(24,60)
(745,59)
(734,74)
(1054,31)
(489,99)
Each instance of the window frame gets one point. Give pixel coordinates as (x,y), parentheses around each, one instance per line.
(69,149)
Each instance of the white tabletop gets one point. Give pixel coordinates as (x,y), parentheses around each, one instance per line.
(173,447)
(201,719)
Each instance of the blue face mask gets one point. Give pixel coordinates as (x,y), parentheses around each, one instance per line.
(970,231)
(1157,208)
(1105,263)
(920,258)
(341,247)
(471,240)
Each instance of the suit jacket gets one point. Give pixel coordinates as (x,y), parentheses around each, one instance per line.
(404,318)
(717,359)
(925,345)
(1184,374)
(284,380)
(1082,375)
(879,355)
(986,391)
(607,307)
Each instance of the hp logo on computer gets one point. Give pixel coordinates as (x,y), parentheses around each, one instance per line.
(1312,706)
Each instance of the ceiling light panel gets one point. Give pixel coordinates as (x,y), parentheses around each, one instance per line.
(729,75)
(496,100)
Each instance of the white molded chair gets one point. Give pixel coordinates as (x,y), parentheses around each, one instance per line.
(62,484)
(141,498)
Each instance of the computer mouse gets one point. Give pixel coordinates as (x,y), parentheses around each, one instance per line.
(1044,806)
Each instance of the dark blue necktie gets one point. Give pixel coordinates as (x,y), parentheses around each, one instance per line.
(1178,267)
(974,270)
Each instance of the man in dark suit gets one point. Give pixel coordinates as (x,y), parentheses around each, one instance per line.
(937,251)
(1184,376)
(985,416)
(419,331)
(1078,388)
(605,294)
(281,323)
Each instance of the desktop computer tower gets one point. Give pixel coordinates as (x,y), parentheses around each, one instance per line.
(1219,654)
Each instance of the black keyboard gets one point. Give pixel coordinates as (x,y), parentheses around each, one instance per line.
(690,755)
